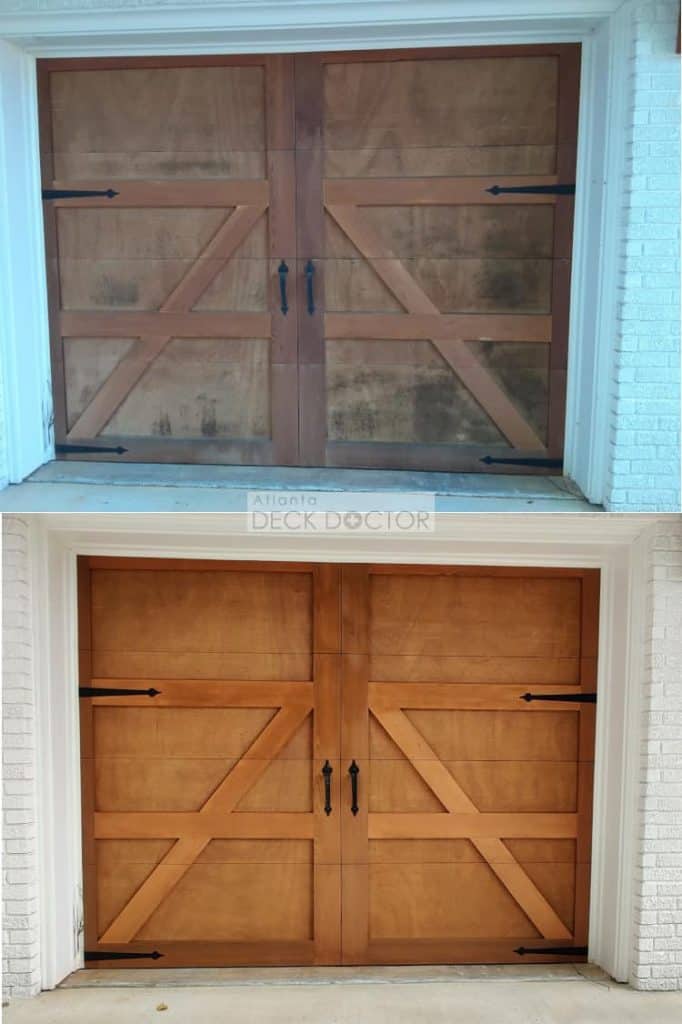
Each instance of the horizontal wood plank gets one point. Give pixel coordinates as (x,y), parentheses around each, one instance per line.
(169,825)
(435,191)
(412,326)
(190,693)
(208,954)
(461,696)
(164,325)
(164,193)
(472,826)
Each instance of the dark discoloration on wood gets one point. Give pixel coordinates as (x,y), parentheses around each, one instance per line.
(290,121)
(404,396)
(523,372)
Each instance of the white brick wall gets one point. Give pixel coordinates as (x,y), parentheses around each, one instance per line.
(645,417)
(657,952)
(20,954)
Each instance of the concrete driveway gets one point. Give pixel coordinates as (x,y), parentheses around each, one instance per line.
(568,999)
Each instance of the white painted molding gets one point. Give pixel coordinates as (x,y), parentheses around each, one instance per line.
(598,230)
(24,335)
(618,545)
(53,588)
(210,532)
(68,27)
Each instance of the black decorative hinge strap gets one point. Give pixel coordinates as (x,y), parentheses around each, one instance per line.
(101,954)
(573,698)
(545,463)
(553,950)
(77,193)
(529,190)
(108,691)
(85,449)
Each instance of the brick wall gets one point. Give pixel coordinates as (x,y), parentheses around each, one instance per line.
(644,473)
(657,953)
(20,954)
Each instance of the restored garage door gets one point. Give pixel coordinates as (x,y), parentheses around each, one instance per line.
(472,839)
(325,259)
(205,833)
(305,764)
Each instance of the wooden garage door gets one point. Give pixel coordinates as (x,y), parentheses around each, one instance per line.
(205,837)
(442,255)
(288,764)
(471,842)
(329,259)
(170,341)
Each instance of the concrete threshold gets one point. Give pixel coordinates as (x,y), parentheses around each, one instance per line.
(218,977)
(494,998)
(135,487)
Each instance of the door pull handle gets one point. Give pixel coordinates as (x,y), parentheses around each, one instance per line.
(283,270)
(309,271)
(354,771)
(327,772)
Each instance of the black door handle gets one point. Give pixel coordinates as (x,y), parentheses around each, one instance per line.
(354,771)
(309,271)
(283,270)
(327,772)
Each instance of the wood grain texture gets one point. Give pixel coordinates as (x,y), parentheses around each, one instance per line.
(468,792)
(501,410)
(204,807)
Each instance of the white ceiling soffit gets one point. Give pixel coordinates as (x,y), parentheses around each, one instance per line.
(78,27)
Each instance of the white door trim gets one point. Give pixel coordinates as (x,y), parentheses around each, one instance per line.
(617,545)
(207,26)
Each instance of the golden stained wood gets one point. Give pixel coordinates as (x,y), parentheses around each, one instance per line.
(205,802)
(474,803)
(474,807)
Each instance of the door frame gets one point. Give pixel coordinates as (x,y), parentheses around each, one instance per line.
(617,545)
(600,25)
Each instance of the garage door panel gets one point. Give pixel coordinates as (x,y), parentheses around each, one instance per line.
(127,259)
(203,613)
(475,838)
(178,732)
(188,209)
(455,285)
(467,833)
(483,668)
(454,197)
(202,809)
(258,851)
(442,232)
(500,786)
(285,785)
(108,121)
(228,902)
(438,161)
(425,182)
(449,851)
(406,902)
(201,666)
(423,103)
(161,784)
(487,735)
(456,616)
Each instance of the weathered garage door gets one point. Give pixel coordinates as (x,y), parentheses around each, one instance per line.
(310,764)
(161,295)
(336,259)
(442,255)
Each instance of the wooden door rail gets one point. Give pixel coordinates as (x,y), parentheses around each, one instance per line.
(162,193)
